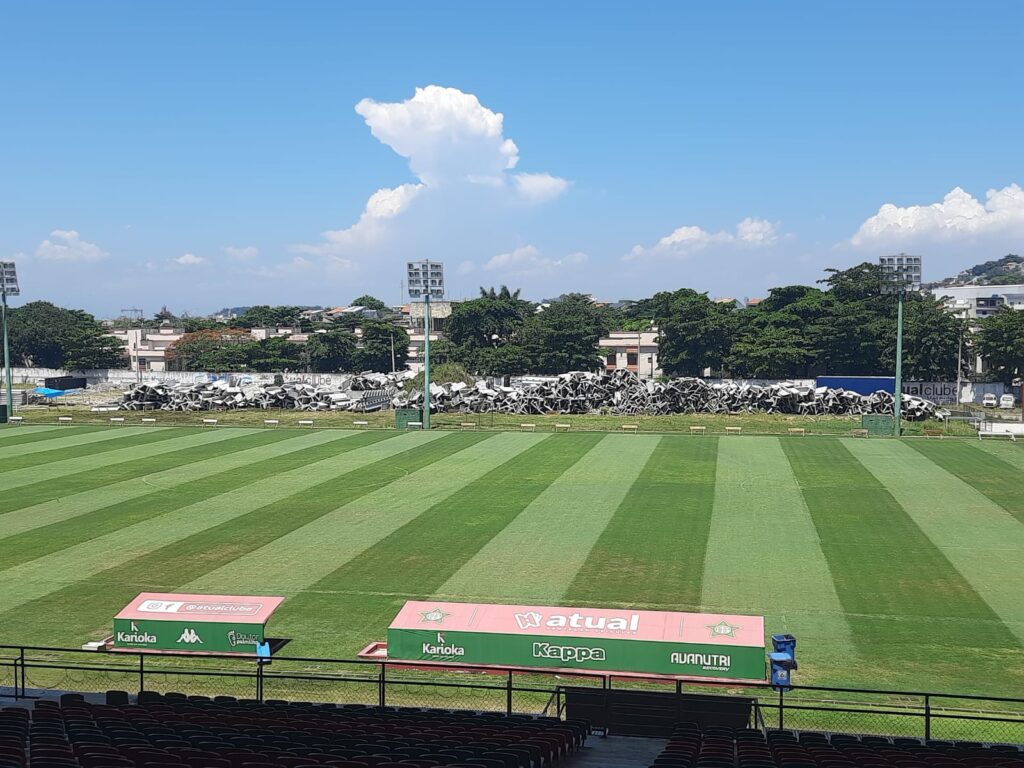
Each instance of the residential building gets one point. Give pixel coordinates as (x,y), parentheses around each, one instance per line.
(635,351)
(973,302)
(146,348)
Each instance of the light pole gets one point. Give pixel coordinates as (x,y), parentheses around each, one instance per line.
(8,287)
(425,280)
(899,275)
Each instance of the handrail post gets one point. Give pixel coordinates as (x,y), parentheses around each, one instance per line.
(679,689)
(142,672)
(508,694)
(382,685)
(927,717)
(20,674)
(259,681)
(607,684)
(782,708)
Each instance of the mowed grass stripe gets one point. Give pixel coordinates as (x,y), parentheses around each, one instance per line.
(164,481)
(277,455)
(34,434)
(999,480)
(1011,453)
(329,541)
(764,558)
(53,482)
(92,444)
(979,538)
(651,554)
(351,605)
(99,576)
(905,601)
(548,542)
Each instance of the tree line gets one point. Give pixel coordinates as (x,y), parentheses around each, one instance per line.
(842,325)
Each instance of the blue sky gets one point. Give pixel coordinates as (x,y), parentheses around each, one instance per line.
(195,154)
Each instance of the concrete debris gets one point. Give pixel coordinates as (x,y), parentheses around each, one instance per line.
(623,392)
(361,393)
(618,392)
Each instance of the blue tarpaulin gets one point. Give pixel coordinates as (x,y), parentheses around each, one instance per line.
(47,392)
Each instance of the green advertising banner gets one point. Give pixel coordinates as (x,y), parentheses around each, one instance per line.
(712,646)
(193,623)
(205,636)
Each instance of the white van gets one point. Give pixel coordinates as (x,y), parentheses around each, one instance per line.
(989,400)
(1006,401)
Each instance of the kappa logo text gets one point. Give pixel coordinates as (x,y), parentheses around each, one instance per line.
(567,652)
(189,635)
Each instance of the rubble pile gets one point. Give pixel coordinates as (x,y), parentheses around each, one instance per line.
(622,392)
(362,393)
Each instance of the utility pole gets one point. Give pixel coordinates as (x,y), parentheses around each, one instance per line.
(422,283)
(135,312)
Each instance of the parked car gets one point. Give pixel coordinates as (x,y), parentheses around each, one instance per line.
(989,401)
(1006,401)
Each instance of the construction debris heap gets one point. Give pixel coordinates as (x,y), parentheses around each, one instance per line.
(618,392)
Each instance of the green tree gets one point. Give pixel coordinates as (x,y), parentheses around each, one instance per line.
(931,337)
(775,339)
(273,354)
(332,352)
(1000,341)
(43,334)
(564,337)
(495,319)
(694,332)
(370,302)
(375,346)
(266,316)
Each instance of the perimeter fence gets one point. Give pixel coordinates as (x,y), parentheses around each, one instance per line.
(34,671)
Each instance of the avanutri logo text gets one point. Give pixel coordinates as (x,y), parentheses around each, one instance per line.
(567,652)
(135,636)
(533,619)
(188,635)
(442,648)
(709,661)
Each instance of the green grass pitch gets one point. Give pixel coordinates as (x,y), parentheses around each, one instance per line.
(896,564)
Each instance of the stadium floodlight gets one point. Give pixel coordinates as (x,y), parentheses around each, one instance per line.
(425,281)
(8,287)
(899,275)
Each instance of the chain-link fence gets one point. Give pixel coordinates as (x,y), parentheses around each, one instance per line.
(27,672)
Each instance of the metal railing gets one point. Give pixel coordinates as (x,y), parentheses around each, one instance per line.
(32,671)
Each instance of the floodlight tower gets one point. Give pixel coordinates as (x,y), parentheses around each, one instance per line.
(900,274)
(425,280)
(8,287)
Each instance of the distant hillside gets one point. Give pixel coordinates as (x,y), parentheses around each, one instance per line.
(1004,271)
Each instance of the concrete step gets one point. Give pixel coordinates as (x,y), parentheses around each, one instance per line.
(617,752)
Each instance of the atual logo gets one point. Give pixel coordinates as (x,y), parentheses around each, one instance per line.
(135,637)
(442,648)
(435,615)
(535,620)
(189,635)
(723,629)
(567,652)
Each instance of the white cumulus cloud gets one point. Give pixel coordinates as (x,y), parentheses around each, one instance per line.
(539,187)
(444,133)
(68,245)
(189,259)
(528,260)
(687,240)
(959,215)
(455,146)
(242,252)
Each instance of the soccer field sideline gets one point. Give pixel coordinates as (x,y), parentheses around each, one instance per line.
(881,556)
